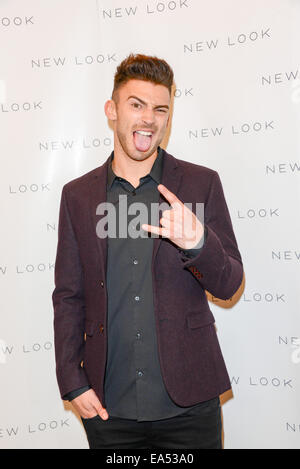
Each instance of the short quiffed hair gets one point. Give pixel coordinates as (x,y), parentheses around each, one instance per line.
(143,67)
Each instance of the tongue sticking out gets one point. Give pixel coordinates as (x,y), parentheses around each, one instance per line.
(142,142)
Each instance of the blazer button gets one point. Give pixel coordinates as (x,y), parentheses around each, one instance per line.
(102,283)
(81,364)
(101,328)
(85,336)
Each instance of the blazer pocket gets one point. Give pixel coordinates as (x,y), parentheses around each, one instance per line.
(197,319)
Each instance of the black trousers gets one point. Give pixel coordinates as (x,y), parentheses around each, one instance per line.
(198,428)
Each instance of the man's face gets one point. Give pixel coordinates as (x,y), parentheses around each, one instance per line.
(140,113)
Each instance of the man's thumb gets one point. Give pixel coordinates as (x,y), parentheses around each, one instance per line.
(102,412)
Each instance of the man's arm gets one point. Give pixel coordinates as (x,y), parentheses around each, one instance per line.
(69,318)
(218,266)
(69,306)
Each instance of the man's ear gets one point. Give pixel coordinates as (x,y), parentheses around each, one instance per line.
(110,110)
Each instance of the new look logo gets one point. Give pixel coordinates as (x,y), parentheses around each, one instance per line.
(3,348)
(231,41)
(15,21)
(149,8)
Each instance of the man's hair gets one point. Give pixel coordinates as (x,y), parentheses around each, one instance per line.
(143,67)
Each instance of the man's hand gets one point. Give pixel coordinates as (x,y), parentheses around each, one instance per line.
(179,224)
(88,405)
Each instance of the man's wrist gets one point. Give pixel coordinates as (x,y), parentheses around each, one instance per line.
(77,392)
(196,249)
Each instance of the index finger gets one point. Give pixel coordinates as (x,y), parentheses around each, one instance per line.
(171,198)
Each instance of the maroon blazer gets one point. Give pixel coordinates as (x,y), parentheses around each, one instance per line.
(191,361)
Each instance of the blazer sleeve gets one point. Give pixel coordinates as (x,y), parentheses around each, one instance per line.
(69,306)
(218,266)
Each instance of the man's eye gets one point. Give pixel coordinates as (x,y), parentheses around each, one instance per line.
(136,105)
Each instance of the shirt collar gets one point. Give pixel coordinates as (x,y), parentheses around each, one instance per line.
(155,173)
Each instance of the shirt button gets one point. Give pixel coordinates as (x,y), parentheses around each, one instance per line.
(138,335)
(140,373)
(102,283)
(137,298)
(135,261)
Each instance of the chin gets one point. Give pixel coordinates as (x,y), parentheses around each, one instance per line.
(141,155)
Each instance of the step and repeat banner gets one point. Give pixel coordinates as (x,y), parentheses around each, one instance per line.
(236,110)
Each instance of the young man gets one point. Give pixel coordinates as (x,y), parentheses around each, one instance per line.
(136,348)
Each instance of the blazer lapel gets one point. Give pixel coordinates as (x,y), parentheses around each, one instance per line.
(171,178)
(98,195)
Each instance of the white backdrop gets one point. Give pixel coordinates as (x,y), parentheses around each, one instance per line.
(236,110)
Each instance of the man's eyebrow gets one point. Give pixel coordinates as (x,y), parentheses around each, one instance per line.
(143,102)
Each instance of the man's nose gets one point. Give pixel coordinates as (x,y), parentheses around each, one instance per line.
(148,116)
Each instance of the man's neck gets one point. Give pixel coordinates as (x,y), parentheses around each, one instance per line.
(132,170)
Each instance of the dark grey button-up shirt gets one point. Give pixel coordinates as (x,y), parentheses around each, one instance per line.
(134,388)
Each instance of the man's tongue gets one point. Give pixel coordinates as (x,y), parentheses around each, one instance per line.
(142,142)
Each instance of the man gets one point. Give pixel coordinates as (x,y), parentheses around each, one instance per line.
(136,348)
